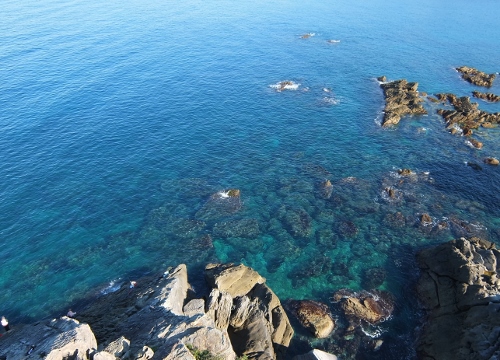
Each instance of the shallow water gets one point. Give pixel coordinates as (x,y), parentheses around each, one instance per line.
(120,121)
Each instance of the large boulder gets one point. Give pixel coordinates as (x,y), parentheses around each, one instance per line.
(236,280)
(314,316)
(460,290)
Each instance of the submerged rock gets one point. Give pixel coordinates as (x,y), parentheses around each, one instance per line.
(326,189)
(476,77)
(314,316)
(459,289)
(220,204)
(401,98)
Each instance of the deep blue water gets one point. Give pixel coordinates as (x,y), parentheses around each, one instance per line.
(119,120)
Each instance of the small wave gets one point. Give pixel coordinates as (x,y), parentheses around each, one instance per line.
(114,285)
(285,85)
(372,330)
(307,36)
(330,100)
(333,41)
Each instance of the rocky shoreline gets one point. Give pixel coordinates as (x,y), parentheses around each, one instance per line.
(162,317)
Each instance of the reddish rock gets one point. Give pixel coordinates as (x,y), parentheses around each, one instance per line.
(314,316)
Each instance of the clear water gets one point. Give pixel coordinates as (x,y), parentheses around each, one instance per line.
(119,121)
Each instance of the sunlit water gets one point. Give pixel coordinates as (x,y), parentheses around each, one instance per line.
(119,122)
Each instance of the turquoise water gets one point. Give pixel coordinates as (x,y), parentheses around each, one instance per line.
(120,120)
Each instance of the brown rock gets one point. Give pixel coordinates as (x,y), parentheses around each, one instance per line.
(382,78)
(314,316)
(491,161)
(486,96)
(401,98)
(475,76)
(404,172)
(475,143)
(373,307)
(425,219)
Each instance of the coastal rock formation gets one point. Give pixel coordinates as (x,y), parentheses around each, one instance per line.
(314,316)
(160,318)
(401,98)
(465,115)
(55,339)
(486,96)
(459,288)
(475,76)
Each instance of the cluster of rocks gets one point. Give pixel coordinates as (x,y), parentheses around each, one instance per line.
(476,77)
(486,96)
(465,115)
(401,98)
(459,287)
(162,318)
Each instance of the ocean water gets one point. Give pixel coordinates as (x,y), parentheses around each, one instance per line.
(120,121)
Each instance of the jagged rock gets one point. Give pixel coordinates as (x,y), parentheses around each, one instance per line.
(382,78)
(486,96)
(491,161)
(401,98)
(118,347)
(236,280)
(459,289)
(56,339)
(465,115)
(314,316)
(476,77)
(316,354)
(219,308)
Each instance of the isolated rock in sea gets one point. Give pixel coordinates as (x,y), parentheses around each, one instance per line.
(53,339)
(371,306)
(491,161)
(475,143)
(459,287)
(382,78)
(486,96)
(476,77)
(314,316)
(285,85)
(401,98)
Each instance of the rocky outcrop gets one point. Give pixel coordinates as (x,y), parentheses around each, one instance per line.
(55,339)
(465,115)
(314,316)
(160,318)
(486,96)
(254,318)
(460,290)
(401,98)
(475,76)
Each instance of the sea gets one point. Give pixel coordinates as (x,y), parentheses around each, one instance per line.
(125,124)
